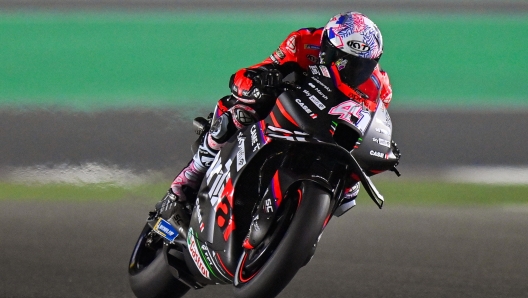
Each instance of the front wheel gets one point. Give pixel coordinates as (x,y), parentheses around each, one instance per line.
(287,247)
(149,273)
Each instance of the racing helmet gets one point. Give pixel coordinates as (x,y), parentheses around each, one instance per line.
(354,44)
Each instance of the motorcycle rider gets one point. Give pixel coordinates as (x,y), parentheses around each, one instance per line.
(350,45)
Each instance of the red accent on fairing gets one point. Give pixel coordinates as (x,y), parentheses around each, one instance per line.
(355,177)
(226,209)
(223,266)
(300,197)
(247,245)
(223,206)
(327,220)
(228,191)
(221,221)
(230,228)
(274,120)
(377,171)
(277,193)
(240,277)
(285,113)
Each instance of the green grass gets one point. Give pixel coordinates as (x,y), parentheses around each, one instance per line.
(443,193)
(69,192)
(89,60)
(395,193)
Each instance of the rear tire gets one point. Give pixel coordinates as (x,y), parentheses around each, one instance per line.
(149,274)
(292,252)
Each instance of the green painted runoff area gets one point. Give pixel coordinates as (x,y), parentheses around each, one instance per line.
(86,60)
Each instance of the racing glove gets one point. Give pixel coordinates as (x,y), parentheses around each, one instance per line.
(250,84)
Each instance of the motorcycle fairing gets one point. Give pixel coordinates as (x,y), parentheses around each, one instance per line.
(375,154)
(296,118)
(212,223)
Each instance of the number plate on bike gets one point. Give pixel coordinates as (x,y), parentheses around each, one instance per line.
(165,229)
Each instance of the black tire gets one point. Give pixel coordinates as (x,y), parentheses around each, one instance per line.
(293,251)
(149,274)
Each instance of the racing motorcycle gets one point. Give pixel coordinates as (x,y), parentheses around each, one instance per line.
(268,196)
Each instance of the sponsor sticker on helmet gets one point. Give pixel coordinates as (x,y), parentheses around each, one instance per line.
(341,63)
(358,46)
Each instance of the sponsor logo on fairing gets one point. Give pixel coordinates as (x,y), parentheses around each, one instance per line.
(241,154)
(382,142)
(324,71)
(195,255)
(377,154)
(382,131)
(322,84)
(387,121)
(281,133)
(254,138)
(269,206)
(199,214)
(317,103)
(219,175)
(314,69)
(316,90)
(305,108)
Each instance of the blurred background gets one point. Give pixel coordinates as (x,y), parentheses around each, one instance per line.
(102,86)
(97,99)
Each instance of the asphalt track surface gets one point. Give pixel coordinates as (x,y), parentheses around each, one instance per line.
(159,139)
(81,249)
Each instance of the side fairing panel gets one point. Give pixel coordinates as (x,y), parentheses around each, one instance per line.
(374,154)
(212,245)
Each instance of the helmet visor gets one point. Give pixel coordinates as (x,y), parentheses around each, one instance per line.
(353,70)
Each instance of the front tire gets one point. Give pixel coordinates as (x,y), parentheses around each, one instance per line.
(293,251)
(148,272)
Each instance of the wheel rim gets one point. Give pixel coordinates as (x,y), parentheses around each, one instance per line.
(142,255)
(253,259)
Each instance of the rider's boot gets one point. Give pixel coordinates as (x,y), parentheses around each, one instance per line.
(349,200)
(190,178)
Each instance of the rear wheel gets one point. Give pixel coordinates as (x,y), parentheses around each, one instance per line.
(148,272)
(268,268)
